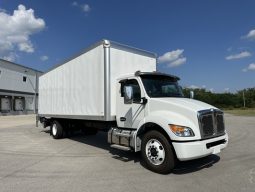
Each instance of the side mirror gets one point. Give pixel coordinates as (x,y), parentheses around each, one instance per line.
(191,94)
(128,94)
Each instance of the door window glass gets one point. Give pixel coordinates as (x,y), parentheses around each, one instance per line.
(136,89)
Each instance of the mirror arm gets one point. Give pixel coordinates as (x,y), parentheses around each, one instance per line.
(143,101)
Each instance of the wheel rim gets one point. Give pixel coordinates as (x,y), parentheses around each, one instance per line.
(54,129)
(155,152)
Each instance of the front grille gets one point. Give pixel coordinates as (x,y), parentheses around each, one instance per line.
(211,123)
(220,123)
(207,124)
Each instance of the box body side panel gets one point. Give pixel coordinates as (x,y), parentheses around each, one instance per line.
(75,88)
(124,62)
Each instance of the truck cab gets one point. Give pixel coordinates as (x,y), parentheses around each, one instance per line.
(154,117)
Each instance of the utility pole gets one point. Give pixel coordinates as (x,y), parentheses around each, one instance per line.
(243,99)
(35,89)
(35,92)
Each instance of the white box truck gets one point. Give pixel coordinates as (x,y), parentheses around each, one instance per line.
(116,88)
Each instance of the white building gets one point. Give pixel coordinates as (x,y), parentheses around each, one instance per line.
(18,89)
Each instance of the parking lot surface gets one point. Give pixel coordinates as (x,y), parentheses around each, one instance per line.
(31,160)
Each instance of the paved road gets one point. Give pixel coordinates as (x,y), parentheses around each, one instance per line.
(30,160)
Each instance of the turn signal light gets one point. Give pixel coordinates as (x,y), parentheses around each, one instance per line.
(181,131)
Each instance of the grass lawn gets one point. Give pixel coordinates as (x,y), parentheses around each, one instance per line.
(241,112)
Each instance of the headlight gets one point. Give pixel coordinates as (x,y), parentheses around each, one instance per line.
(181,131)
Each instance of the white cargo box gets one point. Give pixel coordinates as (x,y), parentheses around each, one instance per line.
(85,86)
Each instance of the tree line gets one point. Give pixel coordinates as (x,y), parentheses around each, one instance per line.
(242,98)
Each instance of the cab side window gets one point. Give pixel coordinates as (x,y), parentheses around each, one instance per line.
(136,89)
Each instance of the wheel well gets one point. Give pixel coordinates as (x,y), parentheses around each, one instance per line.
(152,126)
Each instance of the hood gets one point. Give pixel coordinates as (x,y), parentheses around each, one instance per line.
(179,111)
(186,103)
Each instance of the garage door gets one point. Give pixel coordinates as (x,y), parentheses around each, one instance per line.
(29,103)
(5,104)
(19,105)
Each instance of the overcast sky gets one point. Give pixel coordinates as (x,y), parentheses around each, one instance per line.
(208,43)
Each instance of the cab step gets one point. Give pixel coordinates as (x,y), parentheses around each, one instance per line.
(121,147)
(127,135)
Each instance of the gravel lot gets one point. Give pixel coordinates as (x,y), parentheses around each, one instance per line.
(30,160)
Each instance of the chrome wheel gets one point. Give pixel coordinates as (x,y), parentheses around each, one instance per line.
(57,130)
(54,129)
(155,152)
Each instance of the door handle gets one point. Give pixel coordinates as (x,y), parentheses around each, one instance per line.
(123,119)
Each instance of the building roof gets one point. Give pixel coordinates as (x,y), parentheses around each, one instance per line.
(21,66)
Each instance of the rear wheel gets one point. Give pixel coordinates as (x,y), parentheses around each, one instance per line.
(157,152)
(56,130)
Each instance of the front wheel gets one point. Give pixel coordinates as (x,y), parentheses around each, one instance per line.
(157,152)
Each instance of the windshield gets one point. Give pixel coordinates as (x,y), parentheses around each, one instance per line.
(161,86)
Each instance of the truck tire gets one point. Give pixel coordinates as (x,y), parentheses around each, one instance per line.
(56,130)
(157,153)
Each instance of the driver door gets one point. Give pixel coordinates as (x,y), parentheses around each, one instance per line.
(129,114)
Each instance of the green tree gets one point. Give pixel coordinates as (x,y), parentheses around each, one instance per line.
(224,100)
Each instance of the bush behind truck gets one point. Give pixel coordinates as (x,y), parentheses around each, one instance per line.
(115,88)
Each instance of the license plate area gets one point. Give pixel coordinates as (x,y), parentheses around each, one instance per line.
(215,143)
